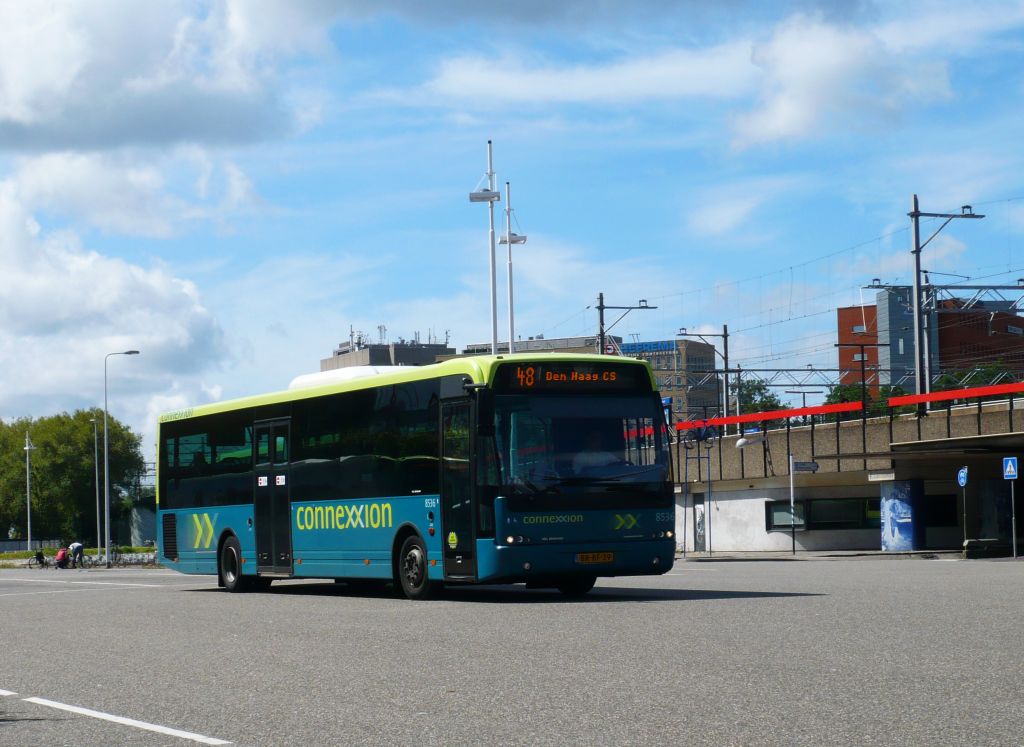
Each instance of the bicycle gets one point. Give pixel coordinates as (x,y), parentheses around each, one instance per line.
(88,561)
(38,562)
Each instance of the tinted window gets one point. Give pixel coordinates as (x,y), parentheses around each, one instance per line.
(207,461)
(376,442)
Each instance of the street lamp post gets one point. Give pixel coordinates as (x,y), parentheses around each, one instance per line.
(96,465)
(490,196)
(29,448)
(106,454)
(510,238)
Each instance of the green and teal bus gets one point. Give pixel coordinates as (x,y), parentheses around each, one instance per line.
(550,470)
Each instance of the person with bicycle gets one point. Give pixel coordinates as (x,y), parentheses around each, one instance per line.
(77,550)
(61,559)
(40,559)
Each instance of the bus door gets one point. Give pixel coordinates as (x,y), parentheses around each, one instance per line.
(271,498)
(458,537)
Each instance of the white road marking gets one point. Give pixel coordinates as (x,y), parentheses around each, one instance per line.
(52,591)
(5,693)
(91,583)
(127,721)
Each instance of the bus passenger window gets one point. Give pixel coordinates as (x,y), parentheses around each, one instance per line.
(280,449)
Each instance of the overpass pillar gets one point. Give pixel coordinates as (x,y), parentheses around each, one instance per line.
(903,522)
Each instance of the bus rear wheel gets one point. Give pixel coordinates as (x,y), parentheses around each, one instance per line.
(412,569)
(231,566)
(576,586)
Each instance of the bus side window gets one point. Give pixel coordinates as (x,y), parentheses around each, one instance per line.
(280,449)
(263,448)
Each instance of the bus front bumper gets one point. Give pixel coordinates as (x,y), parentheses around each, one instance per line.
(537,562)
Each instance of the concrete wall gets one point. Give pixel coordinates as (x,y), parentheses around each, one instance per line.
(737,515)
(737,519)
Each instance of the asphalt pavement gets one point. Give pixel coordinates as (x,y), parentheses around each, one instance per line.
(844,651)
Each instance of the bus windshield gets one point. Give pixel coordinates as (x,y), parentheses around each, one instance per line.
(555,451)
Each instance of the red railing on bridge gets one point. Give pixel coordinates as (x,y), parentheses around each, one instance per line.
(909,399)
(949,394)
(758,417)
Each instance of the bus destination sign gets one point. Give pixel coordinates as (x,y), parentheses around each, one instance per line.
(569,375)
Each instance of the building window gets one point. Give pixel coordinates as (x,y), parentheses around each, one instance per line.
(848,513)
(859,329)
(842,513)
(777,516)
(901,346)
(860,356)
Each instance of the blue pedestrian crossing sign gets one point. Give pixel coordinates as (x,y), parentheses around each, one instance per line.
(1009,468)
(961,477)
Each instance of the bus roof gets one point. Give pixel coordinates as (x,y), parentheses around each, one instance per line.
(480,370)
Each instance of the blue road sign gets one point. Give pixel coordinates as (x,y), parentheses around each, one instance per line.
(1009,468)
(961,477)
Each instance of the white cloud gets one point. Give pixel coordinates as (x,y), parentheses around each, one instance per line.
(954,28)
(41,55)
(724,208)
(113,194)
(819,76)
(945,253)
(94,74)
(717,72)
(125,193)
(65,307)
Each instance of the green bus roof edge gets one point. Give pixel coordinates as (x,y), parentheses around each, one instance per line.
(479,368)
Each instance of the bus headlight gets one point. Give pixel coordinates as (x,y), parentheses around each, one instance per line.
(669,534)
(510,540)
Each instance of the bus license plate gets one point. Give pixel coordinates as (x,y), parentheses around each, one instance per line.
(587,558)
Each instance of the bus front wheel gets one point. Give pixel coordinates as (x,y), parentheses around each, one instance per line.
(576,586)
(412,569)
(231,566)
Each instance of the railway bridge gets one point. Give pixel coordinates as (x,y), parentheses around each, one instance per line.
(857,480)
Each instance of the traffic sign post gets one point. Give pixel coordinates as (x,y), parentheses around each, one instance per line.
(1010,473)
(792,506)
(961,480)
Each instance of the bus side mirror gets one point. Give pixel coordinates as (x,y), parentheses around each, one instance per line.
(485,412)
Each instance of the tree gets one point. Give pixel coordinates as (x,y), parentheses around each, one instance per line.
(754,396)
(853,392)
(984,374)
(838,393)
(63,472)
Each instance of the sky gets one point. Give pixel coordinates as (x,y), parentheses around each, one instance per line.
(231,187)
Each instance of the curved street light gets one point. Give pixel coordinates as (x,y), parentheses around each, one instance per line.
(29,448)
(106,453)
(510,238)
